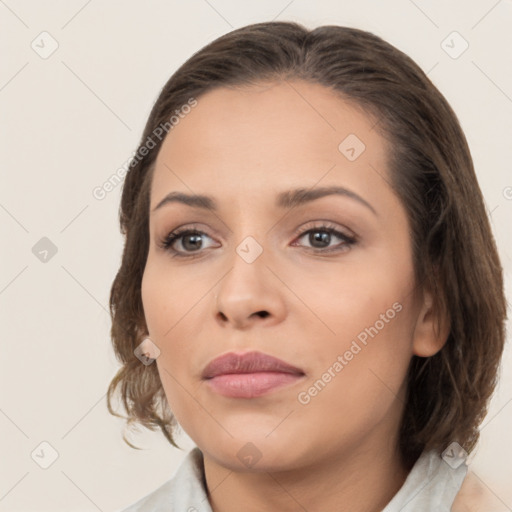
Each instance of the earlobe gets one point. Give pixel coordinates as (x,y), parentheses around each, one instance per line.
(432,328)
(149,349)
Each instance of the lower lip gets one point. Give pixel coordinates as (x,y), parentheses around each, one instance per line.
(251,385)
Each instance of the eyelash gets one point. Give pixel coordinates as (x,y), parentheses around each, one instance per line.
(347,240)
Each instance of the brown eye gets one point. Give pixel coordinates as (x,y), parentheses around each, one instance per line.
(191,241)
(321,237)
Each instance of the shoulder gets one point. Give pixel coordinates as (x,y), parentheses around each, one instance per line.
(474,496)
(155,500)
(185,491)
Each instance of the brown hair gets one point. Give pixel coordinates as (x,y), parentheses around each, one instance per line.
(430,169)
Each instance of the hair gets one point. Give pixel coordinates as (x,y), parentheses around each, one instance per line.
(429,168)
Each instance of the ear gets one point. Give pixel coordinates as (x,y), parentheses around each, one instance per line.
(149,349)
(432,327)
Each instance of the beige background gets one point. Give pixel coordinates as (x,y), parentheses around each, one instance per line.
(70,120)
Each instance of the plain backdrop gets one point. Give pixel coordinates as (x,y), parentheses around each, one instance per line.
(71,118)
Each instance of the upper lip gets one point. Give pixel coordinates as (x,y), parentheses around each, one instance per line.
(248,362)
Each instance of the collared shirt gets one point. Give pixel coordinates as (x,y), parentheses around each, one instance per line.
(431,486)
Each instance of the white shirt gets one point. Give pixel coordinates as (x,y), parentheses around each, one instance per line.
(431,486)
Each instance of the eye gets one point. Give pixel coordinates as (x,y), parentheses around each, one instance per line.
(190,240)
(320,238)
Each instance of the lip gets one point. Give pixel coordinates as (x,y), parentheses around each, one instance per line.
(249,375)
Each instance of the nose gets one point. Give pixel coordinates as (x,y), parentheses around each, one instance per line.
(249,295)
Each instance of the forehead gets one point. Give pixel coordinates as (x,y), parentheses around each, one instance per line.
(270,135)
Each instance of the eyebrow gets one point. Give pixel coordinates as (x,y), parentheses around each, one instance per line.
(288,199)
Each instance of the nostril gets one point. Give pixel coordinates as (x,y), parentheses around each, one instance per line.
(263,314)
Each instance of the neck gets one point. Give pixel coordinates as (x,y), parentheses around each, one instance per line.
(361,480)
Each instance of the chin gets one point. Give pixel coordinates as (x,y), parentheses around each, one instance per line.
(252,450)
(252,457)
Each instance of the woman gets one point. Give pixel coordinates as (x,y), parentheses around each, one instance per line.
(309,261)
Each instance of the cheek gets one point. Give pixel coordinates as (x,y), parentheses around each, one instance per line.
(168,308)
(176,318)
(155,299)
(359,380)
(341,301)
(169,298)
(361,360)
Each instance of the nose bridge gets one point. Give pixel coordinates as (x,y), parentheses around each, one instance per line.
(250,236)
(249,286)
(247,267)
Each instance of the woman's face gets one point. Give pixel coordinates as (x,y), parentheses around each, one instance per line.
(262,272)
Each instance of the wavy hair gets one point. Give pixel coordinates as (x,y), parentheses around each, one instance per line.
(430,170)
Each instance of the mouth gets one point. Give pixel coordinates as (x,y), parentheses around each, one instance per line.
(249,375)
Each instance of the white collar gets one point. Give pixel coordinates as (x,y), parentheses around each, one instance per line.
(431,486)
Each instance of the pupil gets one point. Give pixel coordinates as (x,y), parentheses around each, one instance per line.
(196,241)
(320,236)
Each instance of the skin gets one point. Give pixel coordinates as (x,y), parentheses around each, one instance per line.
(474,496)
(242,147)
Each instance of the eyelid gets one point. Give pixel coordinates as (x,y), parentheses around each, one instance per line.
(178,233)
(326,225)
(347,239)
